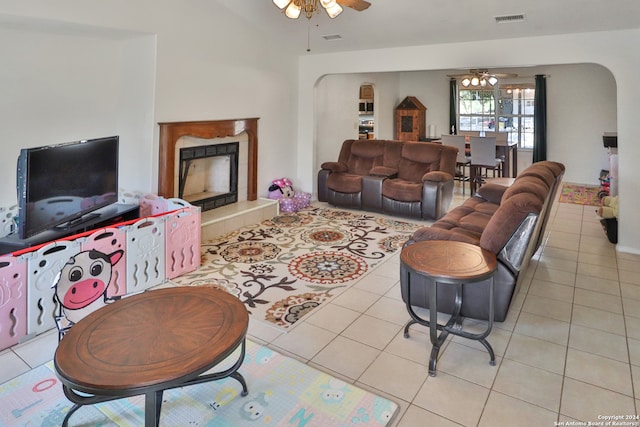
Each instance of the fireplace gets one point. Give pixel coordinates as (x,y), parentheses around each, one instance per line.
(208,175)
(169,168)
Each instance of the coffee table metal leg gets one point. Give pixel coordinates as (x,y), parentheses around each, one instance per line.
(80,400)
(158,404)
(481,337)
(238,376)
(73,409)
(433,326)
(406,327)
(152,404)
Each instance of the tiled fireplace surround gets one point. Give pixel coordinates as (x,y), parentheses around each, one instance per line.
(249,210)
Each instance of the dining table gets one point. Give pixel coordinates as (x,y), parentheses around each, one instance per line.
(508,150)
(505,149)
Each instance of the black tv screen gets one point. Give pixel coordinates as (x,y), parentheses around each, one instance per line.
(61,183)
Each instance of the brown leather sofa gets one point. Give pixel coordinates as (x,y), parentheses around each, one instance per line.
(412,179)
(507,221)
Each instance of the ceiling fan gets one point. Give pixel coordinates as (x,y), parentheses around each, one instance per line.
(293,8)
(480,77)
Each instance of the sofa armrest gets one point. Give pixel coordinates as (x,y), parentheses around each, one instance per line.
(437,194)
(437,176)
(507,219)
(323,190)
(334,166)
(383,171)
(492,192)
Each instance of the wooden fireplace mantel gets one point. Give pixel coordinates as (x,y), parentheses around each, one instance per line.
(171,132)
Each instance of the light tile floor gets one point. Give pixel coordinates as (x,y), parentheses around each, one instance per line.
(569,349)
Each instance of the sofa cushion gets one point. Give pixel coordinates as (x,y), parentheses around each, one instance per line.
(383,171)
(412,171)
(345,182)
(466,218)
(402,190)
(422,152)
(440,231)
(530,184)
(392,153)
(418,158)
(364,156)
(540,171)
(556,168)
(491,192)
(481,205)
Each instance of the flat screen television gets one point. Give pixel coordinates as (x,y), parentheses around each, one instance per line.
(60,185)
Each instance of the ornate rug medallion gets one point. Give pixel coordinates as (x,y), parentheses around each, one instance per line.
(250,252)
(291,309)
(324,236)
(392,243)
(327,268)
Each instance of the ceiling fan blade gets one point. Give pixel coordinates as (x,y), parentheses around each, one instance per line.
(358,5)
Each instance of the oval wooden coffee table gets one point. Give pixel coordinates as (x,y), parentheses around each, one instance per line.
(151,342)
(449,263)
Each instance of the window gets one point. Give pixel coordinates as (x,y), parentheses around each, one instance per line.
(515,113)
(477,109)
(503,108)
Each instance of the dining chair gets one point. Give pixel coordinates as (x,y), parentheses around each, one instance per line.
(483,159)
(501,140)
(462,160)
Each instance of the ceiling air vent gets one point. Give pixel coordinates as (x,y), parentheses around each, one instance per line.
(332,37)
(509,18)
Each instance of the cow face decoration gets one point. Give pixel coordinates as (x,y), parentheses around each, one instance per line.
(81,286)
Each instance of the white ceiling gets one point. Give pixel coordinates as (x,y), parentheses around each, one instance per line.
(393,23)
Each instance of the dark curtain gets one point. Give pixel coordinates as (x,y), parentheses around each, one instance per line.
(453,106)
(540,120)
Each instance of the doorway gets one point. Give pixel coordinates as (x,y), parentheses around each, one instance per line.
(365,112)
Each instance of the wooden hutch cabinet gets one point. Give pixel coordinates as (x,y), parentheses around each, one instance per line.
(410,118)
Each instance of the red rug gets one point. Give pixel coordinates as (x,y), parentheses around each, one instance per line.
(580,194)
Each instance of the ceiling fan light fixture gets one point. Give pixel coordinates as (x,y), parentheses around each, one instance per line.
(294,8)
(334,10)
(292,11)
(327,4)
(465,82)
(281,3)
(475,81)
(493,80)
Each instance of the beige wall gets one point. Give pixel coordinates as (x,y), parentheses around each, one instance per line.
(82,69)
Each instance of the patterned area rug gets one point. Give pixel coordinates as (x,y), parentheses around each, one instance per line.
(580,194)
(282,392)
(285,267)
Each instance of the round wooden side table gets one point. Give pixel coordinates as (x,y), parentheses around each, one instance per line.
(151,342)
(449,263)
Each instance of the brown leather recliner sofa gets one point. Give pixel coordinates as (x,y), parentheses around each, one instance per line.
(412,179)
(507,221)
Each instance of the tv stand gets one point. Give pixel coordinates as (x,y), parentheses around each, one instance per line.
(75,222)
(100,218)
